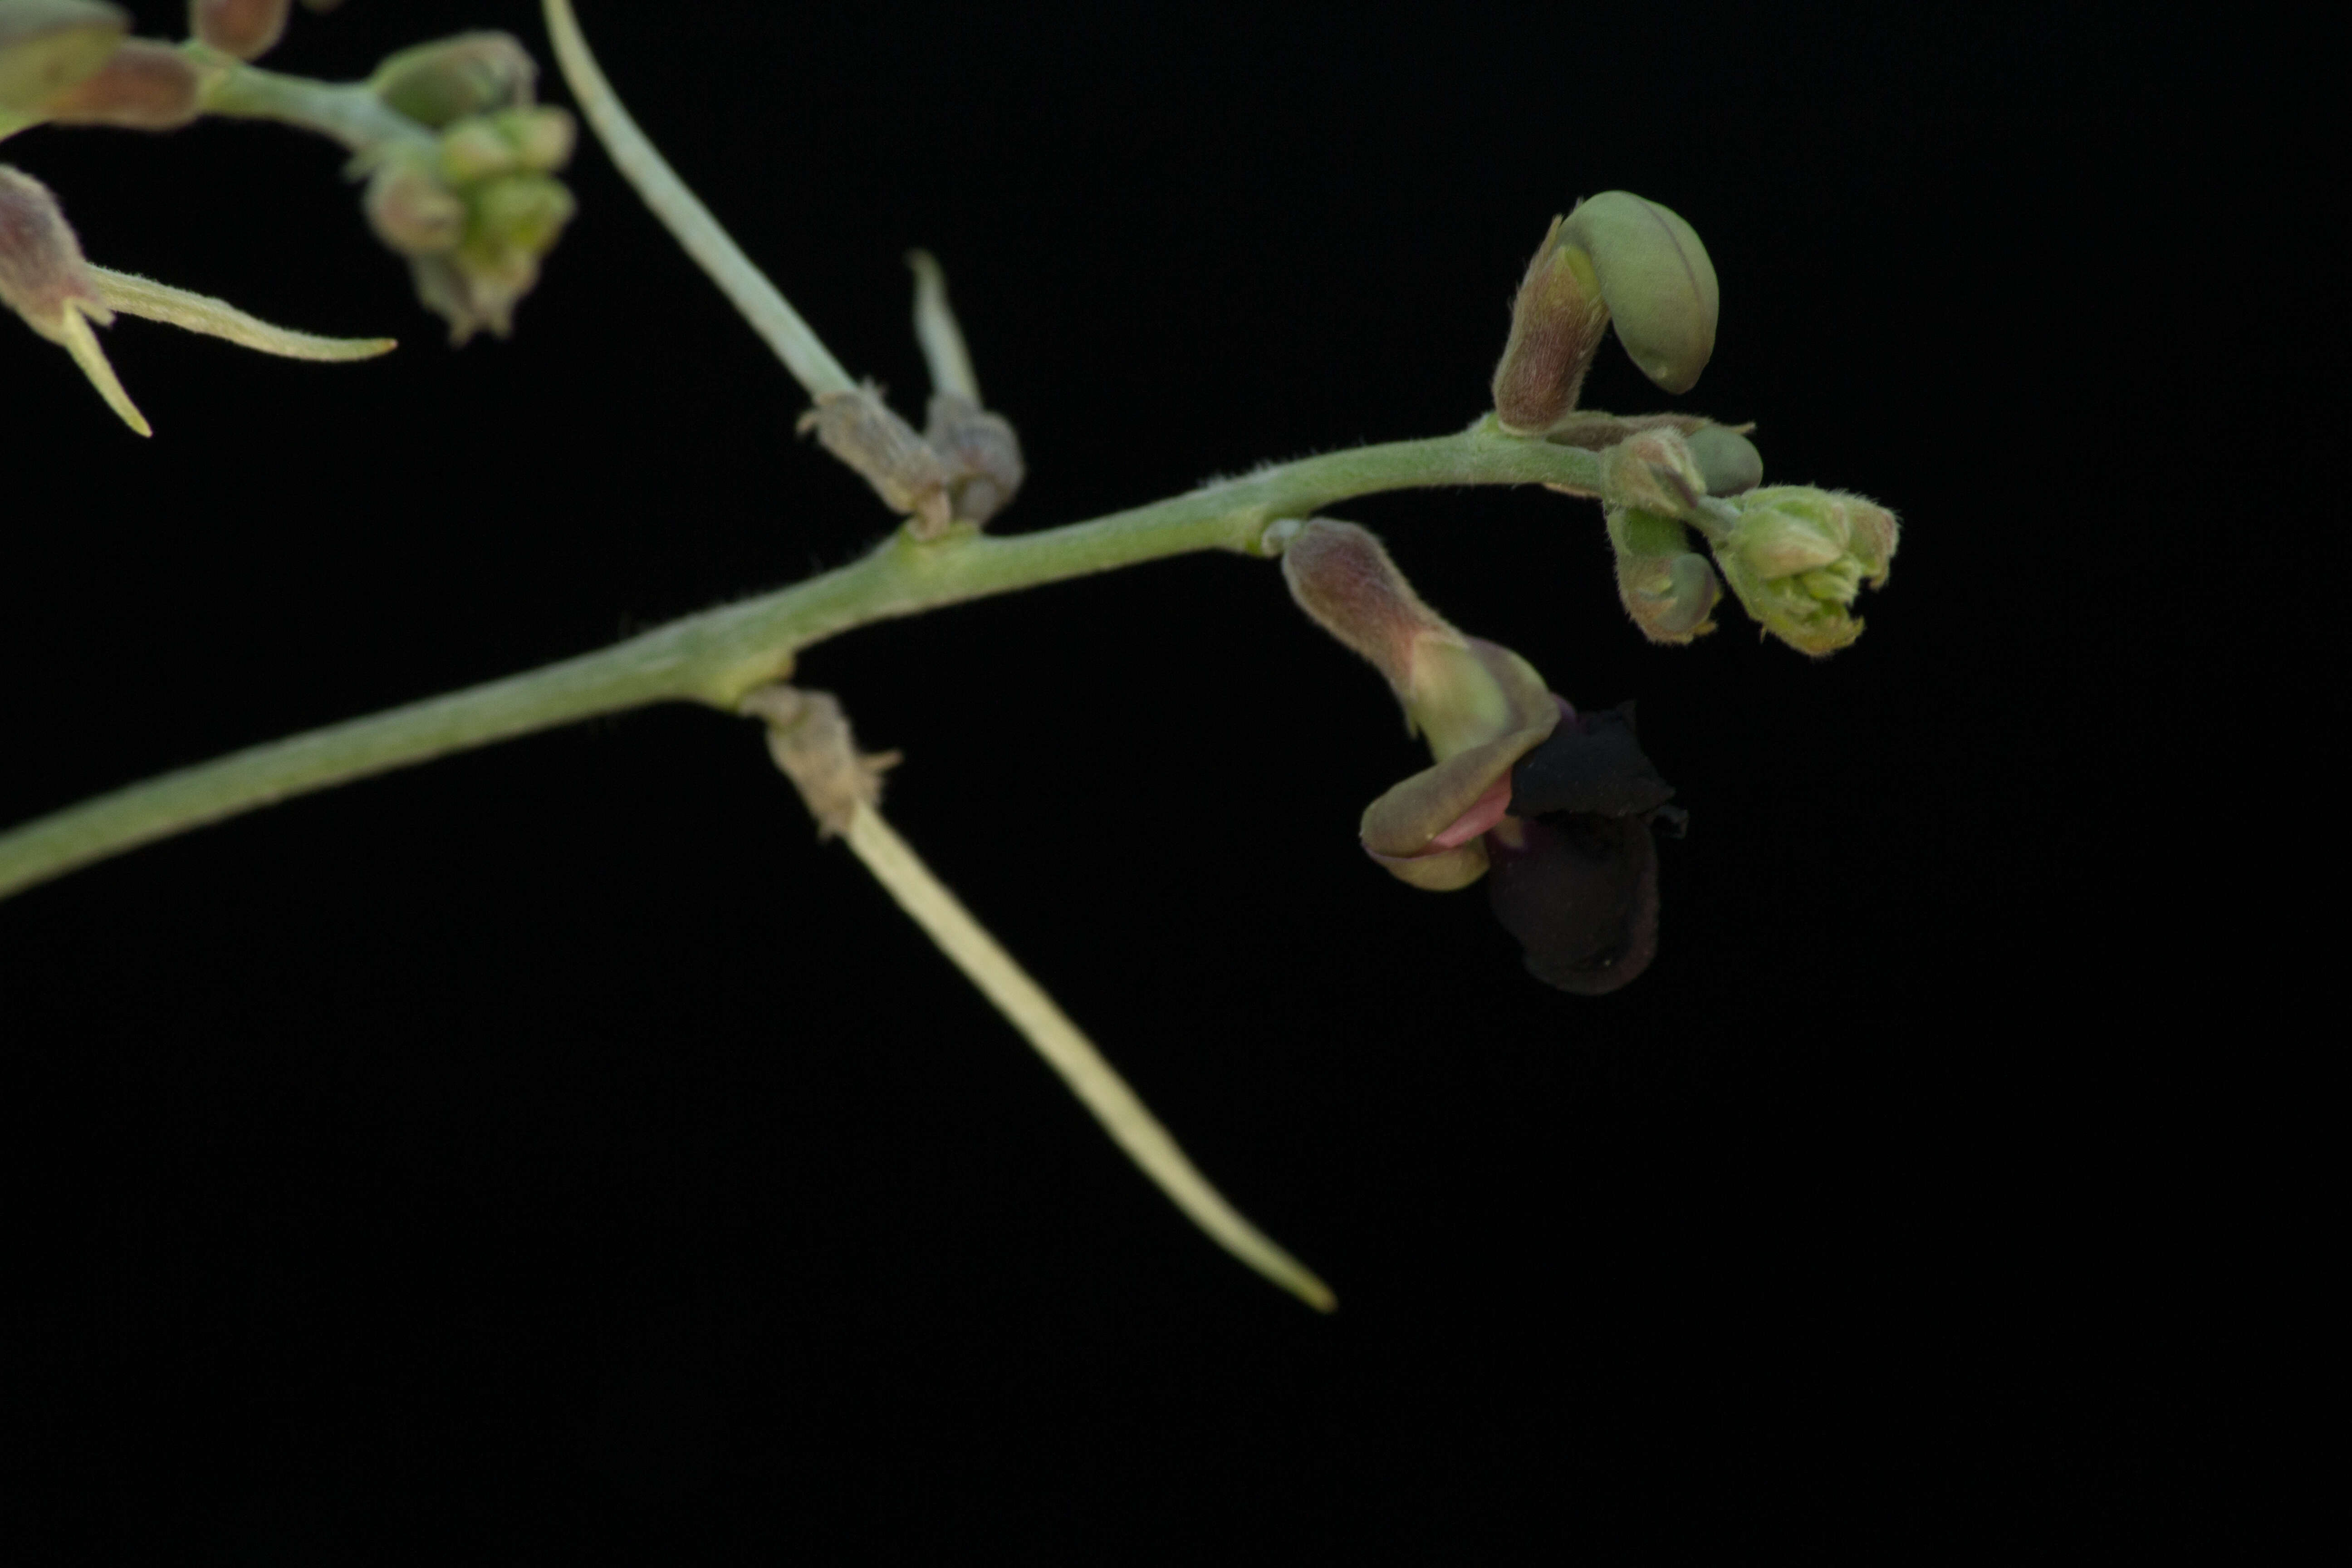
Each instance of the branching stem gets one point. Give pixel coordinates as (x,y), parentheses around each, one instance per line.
(716,657)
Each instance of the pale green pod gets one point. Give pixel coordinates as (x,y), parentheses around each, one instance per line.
(46,45)
(1656,281)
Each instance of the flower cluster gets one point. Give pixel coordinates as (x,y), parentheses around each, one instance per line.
(476,209)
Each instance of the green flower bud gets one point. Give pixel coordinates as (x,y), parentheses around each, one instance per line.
(474,148)
(48,46)
(450,79)
(1727,460)
(542,137)
(513,140)
(247,29)
(412,211)
(512,223)
(1654,470)
(1799,556)
(1556,322)
(1656,281)
(142,86)
(519,212)
(1669,591)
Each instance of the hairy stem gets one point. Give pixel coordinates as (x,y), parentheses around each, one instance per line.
(716,657)
(348,112)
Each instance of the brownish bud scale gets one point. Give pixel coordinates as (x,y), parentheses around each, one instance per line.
(863,431)
(245,28)
(1656,281)
(412,211)
(42,273)
(1593,431)
(48,46)
(981,453)
(1557,323)
(450,79)
(142,86)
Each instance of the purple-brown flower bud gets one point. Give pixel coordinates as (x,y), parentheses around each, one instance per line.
(1557,323)
(245,28)
(412,211)
(46,45)
(142,86)
(42,273)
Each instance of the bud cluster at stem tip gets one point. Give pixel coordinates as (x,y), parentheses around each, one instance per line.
(476,210)
(1798,557)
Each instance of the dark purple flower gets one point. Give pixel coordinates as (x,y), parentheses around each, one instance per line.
(1573,871)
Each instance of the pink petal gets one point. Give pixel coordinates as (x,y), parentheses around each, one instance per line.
(1484,813)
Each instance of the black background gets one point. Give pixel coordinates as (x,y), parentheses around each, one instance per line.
(554,1149)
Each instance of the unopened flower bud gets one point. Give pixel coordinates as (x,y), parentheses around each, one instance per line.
(1654,470)
(48,46)
(1727,460)
(1656,281)
(1670,591)
(142,86)
(42,273)
(412,211)
(1557,323)
(43,279)
(474,148)
(542,137)
(1797,556)
(450,79)
(519,212)
(245,28)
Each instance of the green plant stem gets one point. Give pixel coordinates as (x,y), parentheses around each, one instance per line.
(348,112)
(717,656)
